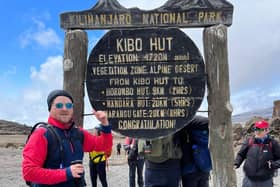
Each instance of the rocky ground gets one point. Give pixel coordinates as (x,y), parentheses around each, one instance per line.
(10,173)
(11,158)
(243,130)
(11,147)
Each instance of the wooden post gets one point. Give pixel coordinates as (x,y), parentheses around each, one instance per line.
(221,146)
(276,109)
(74,68)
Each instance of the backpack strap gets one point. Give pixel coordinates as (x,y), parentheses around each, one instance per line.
(80,135)
(56,137)
(37,125)
(58,141)
(130,140)
(270,145)
(252,139)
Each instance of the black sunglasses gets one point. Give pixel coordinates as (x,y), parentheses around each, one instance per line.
(260,130)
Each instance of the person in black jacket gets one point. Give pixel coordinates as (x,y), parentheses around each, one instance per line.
(135,162)
(262,157)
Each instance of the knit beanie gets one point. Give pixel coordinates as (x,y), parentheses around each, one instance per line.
(56,93)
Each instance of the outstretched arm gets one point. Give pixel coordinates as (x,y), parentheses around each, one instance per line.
(241,155)
(104,142)
(275,163)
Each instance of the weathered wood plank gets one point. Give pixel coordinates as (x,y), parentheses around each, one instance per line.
(74,68)
(216,58)
(180,13)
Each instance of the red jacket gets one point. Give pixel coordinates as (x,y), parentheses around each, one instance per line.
(35,154)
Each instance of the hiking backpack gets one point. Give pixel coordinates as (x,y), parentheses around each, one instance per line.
(132,152)
(57,141)
(200,150)
(161,149)
(251,142)
(195,139)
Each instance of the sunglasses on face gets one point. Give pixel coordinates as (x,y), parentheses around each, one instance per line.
(60,105)
(260,130)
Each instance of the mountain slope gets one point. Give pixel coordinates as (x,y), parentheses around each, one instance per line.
(243,117)
(13,128)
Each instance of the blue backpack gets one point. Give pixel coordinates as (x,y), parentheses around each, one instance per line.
(200,150)
(196,154)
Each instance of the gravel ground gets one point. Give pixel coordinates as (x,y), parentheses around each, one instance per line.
(10,173)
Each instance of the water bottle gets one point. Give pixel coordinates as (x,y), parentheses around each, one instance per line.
(79,182)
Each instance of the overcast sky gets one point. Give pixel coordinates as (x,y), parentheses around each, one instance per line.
(32,45)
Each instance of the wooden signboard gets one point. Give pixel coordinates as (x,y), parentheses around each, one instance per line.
(150,82)
(174,13)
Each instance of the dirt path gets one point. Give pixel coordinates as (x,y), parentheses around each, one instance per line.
(10,173)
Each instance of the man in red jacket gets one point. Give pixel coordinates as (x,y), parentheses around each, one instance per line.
(43,167)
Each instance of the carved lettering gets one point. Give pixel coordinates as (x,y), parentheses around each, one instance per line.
(161,69)
(126,91)
(161,80)
(164,18)
(119,113)
(182,57)
(118,58)
(119,82)
(136,70)
(120,103)
(155,57)
(160,44)
(165,124)
(180,102)
(180,90)
(129,44)
(204,16)
(158,90)
(141,81)
(186,68)
(146,80)
(142,91)
(157,103)
(178,80)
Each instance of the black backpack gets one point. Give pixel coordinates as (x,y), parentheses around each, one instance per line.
(133,151)
(55,136)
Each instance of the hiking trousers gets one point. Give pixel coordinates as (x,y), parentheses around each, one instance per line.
(165,174)
(198,179)
(249,183)
(133,166)
(98,169)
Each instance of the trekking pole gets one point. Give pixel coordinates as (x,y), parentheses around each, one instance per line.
(107,164)
(90,114)
(203,111)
